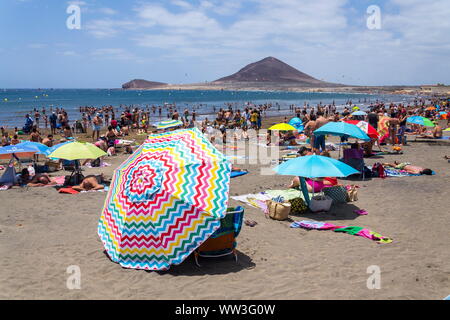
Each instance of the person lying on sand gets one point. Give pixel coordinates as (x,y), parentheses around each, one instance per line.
(409,168)
(39,180)
(90,183)
(437,133)
(315,185)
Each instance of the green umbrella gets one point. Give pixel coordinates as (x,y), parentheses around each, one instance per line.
(76,151)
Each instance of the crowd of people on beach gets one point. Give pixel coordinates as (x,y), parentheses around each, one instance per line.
(389,119)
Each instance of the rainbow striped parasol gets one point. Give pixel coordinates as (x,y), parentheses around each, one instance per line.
(165,200)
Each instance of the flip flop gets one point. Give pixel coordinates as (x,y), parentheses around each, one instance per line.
(250,223)
(361,212)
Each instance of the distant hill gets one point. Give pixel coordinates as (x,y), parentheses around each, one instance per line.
(142,84)
(272,70)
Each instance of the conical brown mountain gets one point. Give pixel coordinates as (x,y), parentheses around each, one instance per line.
(272,70)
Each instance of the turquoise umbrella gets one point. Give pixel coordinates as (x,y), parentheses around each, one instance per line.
(420,121)
(297,123)
(315,167)
(342,129)
(39,147)
(359,113)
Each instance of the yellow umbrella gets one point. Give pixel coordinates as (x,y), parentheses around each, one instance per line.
(77,151)
(282,127)
(355,108)
(448,129)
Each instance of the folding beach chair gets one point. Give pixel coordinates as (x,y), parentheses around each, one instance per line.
(223,241)
(355,159)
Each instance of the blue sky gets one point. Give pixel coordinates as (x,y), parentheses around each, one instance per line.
(181,41)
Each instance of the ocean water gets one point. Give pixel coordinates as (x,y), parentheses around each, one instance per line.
(15,103)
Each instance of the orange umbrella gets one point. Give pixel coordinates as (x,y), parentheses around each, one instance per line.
(430,108)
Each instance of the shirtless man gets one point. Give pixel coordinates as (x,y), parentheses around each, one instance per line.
(90,183)
(35,137)
(97,125)
(319,141)
(393,123)
(309,129)
(48,141)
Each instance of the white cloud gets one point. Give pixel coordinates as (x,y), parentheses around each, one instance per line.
(106,28)
(68,53)
(114,54)
(318,33)
(107,11)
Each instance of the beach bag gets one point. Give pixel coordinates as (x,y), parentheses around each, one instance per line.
(73,180)
(337,193)
(352,193)
(320,203)
(378,171)
(277,210)
(96,163)
(298,205)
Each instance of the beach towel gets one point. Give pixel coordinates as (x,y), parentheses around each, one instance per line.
(392,172)
(68,191)
(352,230)
(250,198)
(288,194)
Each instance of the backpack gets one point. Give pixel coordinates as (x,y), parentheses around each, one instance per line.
(378,171)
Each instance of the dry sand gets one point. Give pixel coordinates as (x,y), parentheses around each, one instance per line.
(43,232)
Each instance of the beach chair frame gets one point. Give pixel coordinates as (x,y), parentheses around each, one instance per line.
(226,251)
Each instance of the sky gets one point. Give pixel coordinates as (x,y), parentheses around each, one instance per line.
(182,41)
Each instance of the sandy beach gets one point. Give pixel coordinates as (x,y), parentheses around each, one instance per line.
(43,232)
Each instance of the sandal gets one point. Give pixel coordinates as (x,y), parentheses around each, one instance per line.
(250,223)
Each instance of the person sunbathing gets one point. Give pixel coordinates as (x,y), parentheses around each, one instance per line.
(315,185)
(90,183)
(436,134)
(38,180)
(409,168)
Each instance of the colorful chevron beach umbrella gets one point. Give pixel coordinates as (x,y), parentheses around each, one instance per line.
(165,200)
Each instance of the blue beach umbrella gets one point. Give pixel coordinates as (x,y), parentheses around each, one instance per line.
(342,129)
(315,167)
(39,147)
(20,152)
(297,123)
